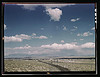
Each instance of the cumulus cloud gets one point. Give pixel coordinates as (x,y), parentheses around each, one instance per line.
(21,37)
(52,48)
(81,39)
(16,38)
(24,47)
(41,37)
(47,6)
(88,45)
(93,28)
(28,6)
(28,50)
(12,39)
(74,20)
(69,46)
(33,34)
(56,5)
(54,14)
(62,41)
(78,34)
(85,34)
(56,46)
(5,27)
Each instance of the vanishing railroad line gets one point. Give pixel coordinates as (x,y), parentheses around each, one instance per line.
(57,66)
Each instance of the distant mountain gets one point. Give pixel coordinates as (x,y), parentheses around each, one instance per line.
(42,56)
(20,56)
(26,55)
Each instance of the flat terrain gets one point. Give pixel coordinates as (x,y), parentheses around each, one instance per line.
(20,65)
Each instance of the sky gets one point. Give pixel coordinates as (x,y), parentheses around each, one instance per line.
(49,30)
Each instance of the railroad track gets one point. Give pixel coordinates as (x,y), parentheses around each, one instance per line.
(57,66)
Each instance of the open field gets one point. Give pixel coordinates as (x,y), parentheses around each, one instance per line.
(23,65)
(27,65)
(76,65)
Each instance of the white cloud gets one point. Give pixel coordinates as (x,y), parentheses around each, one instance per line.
(78,34)
(88,45)
(69,46)
(28,50)
(16,38)
(64,28)
(54,14)
(52,49)
(12,39)
(74,20)
(41,37)
(81,39)
(28,6)
(25,47)
(47,6)
(23,36)
(56,5)
(33,34)
(56,46)
(62,41)
(5,27)
(93,28)
(85,34)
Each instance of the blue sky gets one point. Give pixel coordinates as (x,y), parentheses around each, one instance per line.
(49,29)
